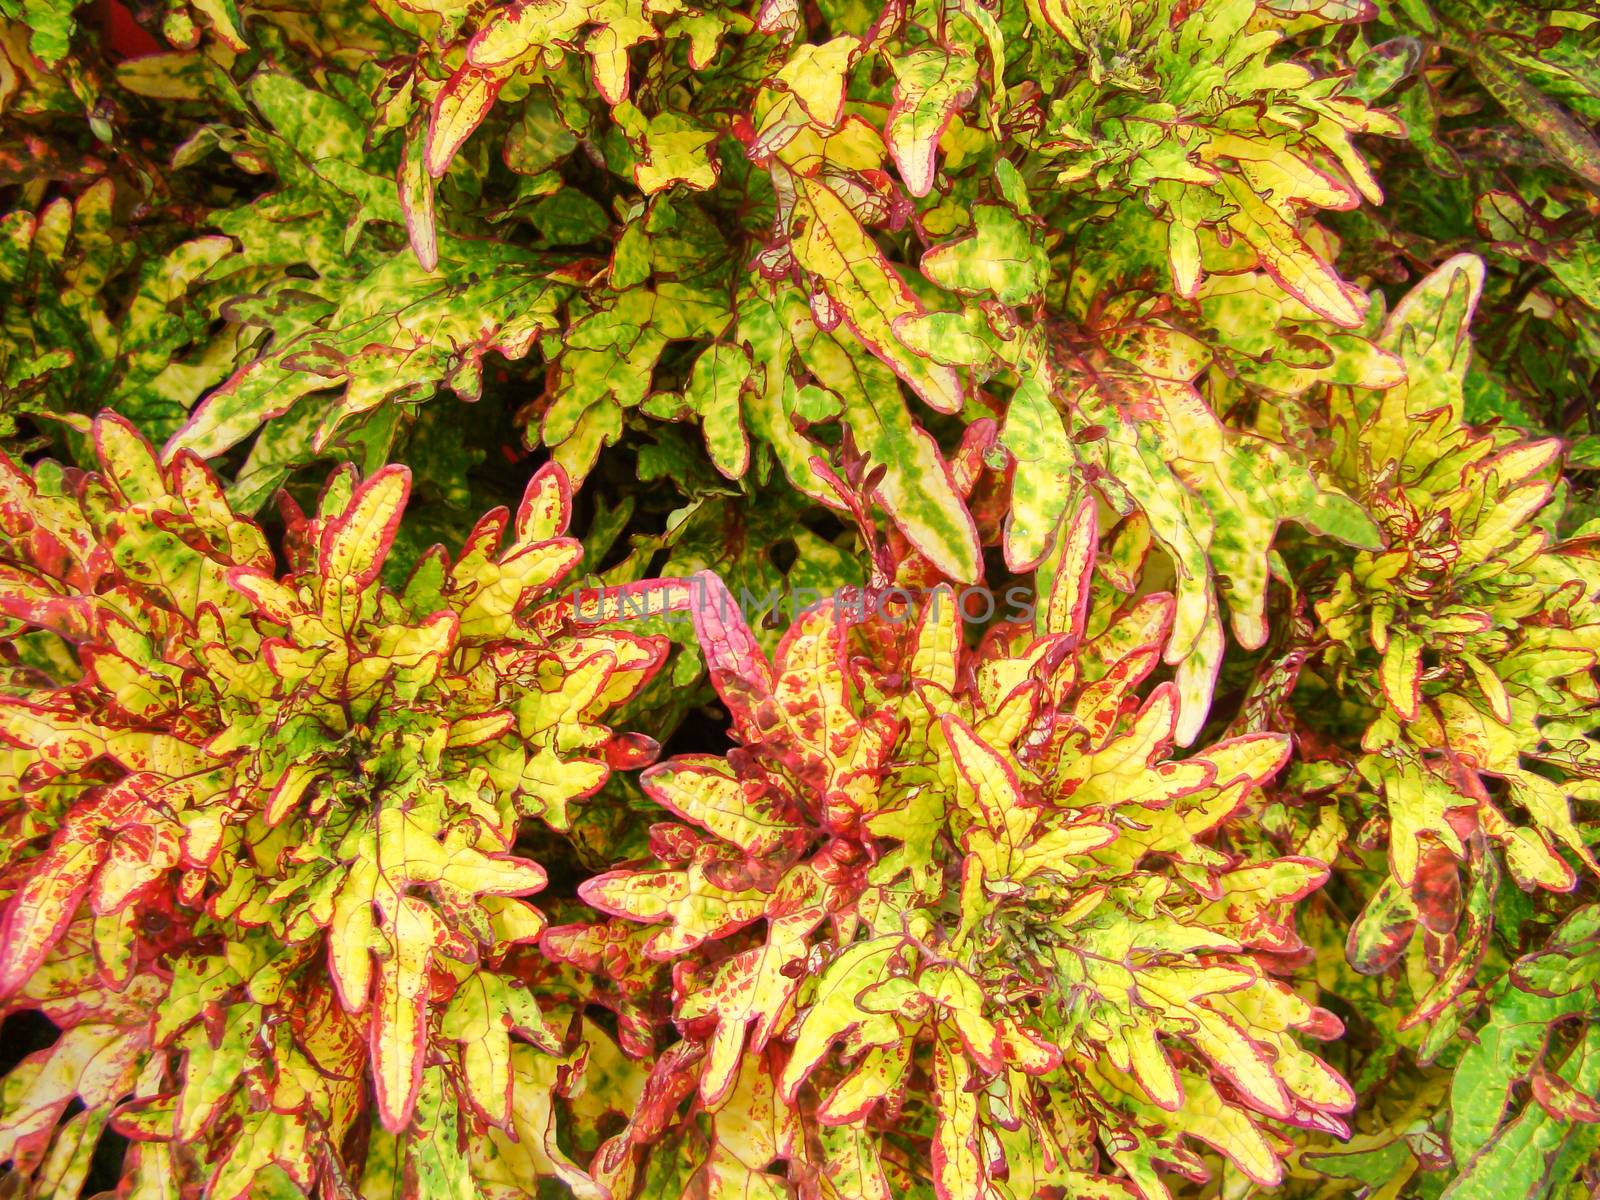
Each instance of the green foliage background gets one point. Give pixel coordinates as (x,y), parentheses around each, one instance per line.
(1290,308)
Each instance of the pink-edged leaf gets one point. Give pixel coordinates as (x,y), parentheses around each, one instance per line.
(1027,1050)
(958,1171)
(990,786)
(865,290)
(44,905)
(458,109)
(1067,610)
(416,188)
(546,508)
(931,86)
(1256,757)
(274,600)
(127,459)
(399,1028)
(58,881)
(1382,932)
(355,542)
(739,670)
(1400,673)
(703,789)
(1562,1100)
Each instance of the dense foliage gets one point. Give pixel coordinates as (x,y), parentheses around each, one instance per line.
(965,599)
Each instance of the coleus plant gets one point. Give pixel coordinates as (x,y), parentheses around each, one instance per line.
(263,820)
(1450,736)
(961,914)
(1469,640)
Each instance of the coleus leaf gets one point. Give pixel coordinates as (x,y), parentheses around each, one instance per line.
(931,86)
(834,248)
